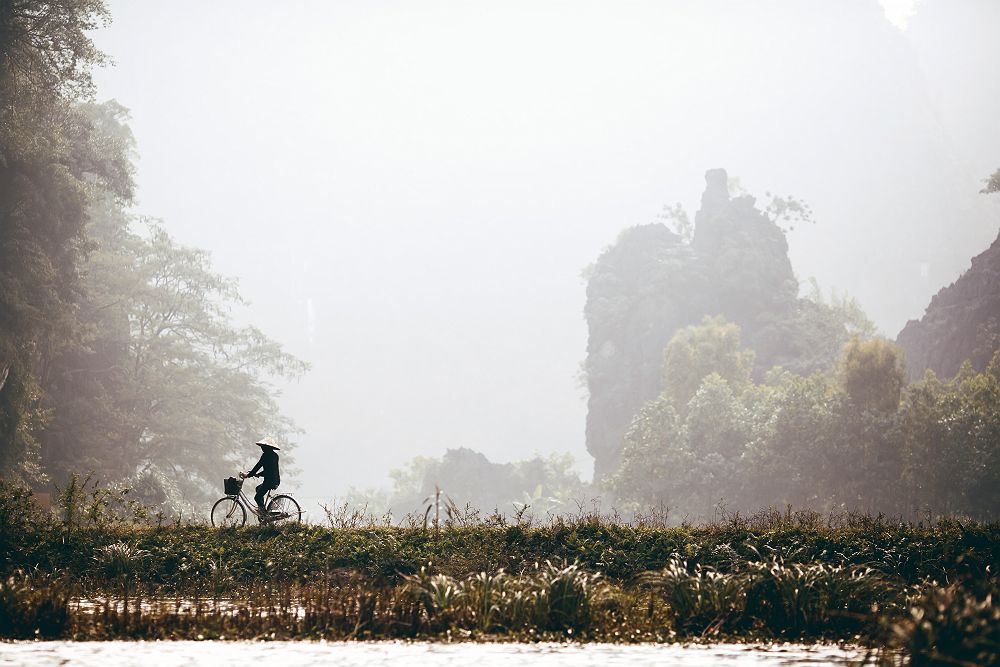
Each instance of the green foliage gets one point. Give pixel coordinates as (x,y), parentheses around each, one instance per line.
(950,431)
(844,578)
(697,351)
(18,515)
(699,601)
(553,598)
(159,380)
(688,443)
(872,374)
(84,502)
(793,600)
(583,578)
(810,336)
(658,279)
(117,350)
(149,381)
(22,418)
(856,437)
(46,53)
(52,161)
(120,560)
(654,453)
(564,596)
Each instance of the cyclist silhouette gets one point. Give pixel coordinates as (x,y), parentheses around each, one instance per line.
(268,465)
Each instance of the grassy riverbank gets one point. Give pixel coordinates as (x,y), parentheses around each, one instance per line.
(924,587)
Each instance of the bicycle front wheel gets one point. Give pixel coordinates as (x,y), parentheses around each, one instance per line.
(228,512)
(284,509)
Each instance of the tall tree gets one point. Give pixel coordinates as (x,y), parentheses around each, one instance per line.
(873,374)
(51,163)
(699,350)
(155,383)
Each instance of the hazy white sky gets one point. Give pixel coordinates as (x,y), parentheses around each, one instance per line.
(408,191)
(899,12)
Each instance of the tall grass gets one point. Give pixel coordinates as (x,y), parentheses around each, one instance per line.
(789,600)
(776,574)
(958,624)
(546,598)
(764,601)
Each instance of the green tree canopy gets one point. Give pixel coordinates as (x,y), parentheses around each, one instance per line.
(117,349)
(699,350)
(52,161)
(853,438)
(872,373)
(155,384)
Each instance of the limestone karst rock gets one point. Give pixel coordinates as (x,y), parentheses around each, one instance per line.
(961,323)
(651,283)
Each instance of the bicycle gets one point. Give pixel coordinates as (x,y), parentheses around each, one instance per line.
(230,511)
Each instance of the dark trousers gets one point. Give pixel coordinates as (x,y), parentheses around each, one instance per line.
(262,490)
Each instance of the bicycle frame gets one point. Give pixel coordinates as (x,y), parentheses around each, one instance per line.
(285,507)
(251,505)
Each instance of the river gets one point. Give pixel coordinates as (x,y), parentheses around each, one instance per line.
(395,654)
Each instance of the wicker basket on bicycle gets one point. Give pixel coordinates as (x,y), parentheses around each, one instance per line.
(232,486)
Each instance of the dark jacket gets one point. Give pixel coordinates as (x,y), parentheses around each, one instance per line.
(269,463)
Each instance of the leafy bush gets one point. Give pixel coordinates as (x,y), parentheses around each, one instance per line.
(18,512)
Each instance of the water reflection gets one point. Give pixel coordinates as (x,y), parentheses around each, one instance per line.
(393,654)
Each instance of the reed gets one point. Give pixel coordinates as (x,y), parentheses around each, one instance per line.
(958,624)
(761,601)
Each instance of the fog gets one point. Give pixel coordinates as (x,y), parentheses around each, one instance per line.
(409,192)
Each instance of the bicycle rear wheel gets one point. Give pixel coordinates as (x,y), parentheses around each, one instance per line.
(283,509)
(228,512)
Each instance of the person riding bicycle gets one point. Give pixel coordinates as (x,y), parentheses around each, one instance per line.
(268,465)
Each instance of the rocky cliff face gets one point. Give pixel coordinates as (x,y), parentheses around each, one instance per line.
(651,283)
(961,323)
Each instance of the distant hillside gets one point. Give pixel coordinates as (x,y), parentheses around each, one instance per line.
(962,321)
(651,283)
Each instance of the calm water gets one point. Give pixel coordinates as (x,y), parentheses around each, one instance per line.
(397,654)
